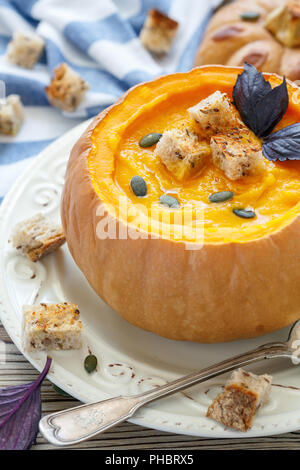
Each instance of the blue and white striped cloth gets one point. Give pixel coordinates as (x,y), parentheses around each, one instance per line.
(98,39)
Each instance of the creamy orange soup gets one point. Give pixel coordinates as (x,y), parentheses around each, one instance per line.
(116,157)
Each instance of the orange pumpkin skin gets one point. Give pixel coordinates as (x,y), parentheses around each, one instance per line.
(219,293)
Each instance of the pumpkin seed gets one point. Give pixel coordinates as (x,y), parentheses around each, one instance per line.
(244,213)
(90,363)
(169,201)
(250,16)
(221,196)
(138,186)
(60,391)
(150,139)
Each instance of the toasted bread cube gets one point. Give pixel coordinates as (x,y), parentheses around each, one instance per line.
(67,89)
(216,114)
(243,395)
(11,115)
(25,49)
(158,32)
(36,237)
(51,326)
(237,154)
(284,23)
(181,152)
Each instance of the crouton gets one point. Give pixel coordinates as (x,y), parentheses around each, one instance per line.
(51,326)
(284,23)
(181,152)
(25,49)
(36,237)
(158,32)
(244,393)
(216,114)
(67,89)
(11,115)
(237,154)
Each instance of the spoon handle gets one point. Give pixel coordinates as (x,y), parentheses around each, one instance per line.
(78,424)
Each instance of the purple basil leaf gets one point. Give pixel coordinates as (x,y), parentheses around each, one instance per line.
(249,88)
(283,145)
(271,108)
(260,106)
(20,413)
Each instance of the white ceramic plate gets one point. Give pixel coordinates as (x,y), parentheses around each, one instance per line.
(130,360)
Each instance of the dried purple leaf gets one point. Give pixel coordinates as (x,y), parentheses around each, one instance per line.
(261,107)
(283,145)
(20,413)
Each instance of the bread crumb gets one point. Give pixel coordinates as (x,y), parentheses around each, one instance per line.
(238,154)
(11,115)
(51,326)
(25,49)
(216,114)
(284,23)
(243,395)
(181,152)
(67,89)
(158,32)
(36,237)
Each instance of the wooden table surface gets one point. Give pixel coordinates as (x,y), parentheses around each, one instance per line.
(16,370)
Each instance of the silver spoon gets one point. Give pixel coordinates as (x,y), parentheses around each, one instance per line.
(78,424)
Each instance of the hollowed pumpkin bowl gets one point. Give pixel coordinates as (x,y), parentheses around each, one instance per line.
(238,278)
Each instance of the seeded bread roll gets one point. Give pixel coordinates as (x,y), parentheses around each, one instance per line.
(36,237)
(264,55)
(158,32)
(67,89)
(51,326)
(11,115)
(254,31)
(290,63)
(25,49)
(221,44)
(244,394)
(233,12)
(181,152)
